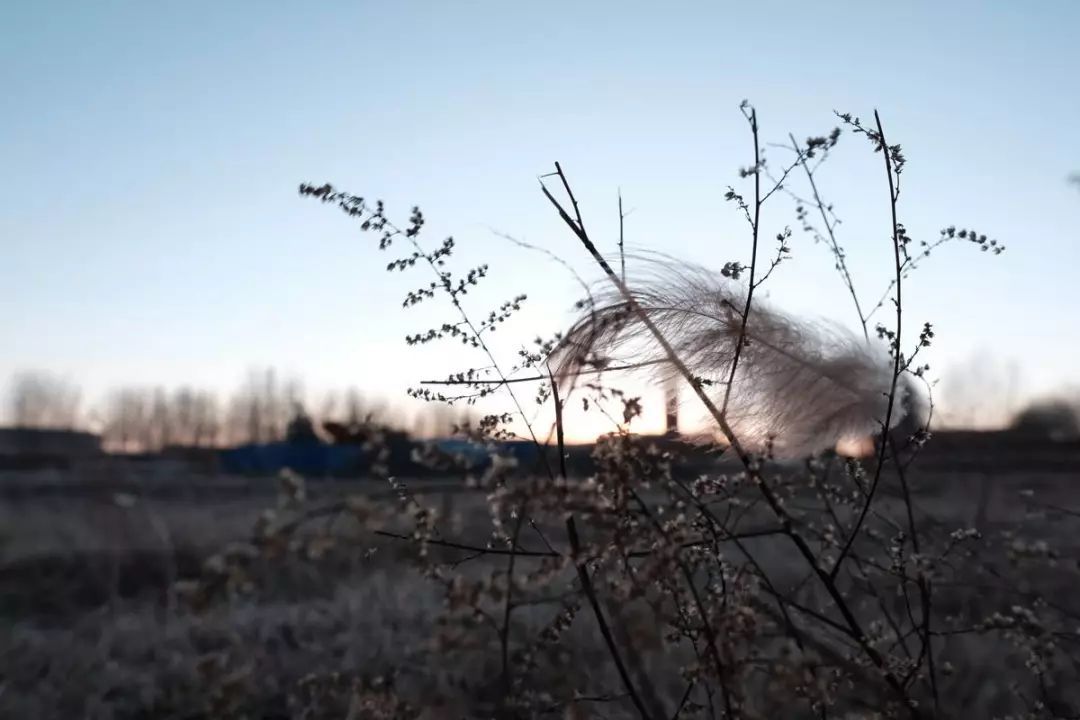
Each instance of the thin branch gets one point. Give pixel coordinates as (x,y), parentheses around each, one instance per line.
(479,549)
(837,251)
(685,698)
(508,607)
(622,251)
(755,223)
(537,378)
(583,570)
(710,633)
(536,248)
(887,154)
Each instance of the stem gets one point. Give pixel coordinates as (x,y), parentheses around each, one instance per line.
(583,571)
(622,252)
(834,245)
(895,351)
(753,262)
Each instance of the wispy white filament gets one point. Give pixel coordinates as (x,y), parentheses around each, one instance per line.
(801,385)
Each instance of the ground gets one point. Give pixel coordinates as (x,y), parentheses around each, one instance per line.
(93,627)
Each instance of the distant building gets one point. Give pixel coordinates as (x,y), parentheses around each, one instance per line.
(36,447)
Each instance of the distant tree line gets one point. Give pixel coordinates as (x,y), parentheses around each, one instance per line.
(40,400)
(261,410)
(148,419)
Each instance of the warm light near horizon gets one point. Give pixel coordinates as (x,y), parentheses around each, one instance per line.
(856,447)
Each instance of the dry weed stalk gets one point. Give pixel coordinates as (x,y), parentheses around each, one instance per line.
(650,587)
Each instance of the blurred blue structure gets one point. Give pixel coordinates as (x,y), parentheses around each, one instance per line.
(311,459)
(315,459)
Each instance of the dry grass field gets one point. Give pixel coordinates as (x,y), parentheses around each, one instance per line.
(93,624)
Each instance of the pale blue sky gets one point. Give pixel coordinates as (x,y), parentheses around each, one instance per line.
(151,231)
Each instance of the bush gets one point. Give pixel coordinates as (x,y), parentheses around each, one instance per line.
(760,588)
(1054,419)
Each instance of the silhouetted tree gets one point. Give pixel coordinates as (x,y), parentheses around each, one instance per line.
(260,411)
(978,392)
(300,428)
(160,420)
(438,421)
(1055,419)
(194,418)
(126,416)
(43,400)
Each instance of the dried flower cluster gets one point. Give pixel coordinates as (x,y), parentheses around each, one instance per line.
(669,579)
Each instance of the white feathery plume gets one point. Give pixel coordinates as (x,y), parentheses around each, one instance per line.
(801,385)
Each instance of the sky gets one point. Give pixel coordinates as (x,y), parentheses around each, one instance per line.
(151,231)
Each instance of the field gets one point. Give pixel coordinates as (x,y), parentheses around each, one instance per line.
(96,625)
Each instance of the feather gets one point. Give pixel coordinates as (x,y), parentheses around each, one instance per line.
(801,385)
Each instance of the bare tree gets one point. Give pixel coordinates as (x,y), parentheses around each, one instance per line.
(438,421)
(183,415)
(144,420)
(262,408)
(160,420)
(354,406)
(349,407)
(205,423)
(43,400)
(980,391)
(127,412)
(194,417)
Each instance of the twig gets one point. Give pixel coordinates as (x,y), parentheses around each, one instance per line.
(887,154)
(685,698)
(622,251)
(536,248)
(538,378)
(710,633)
(837,251)
(471,548)
(583,571)
(508,606)
(753,263)
(925,589)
